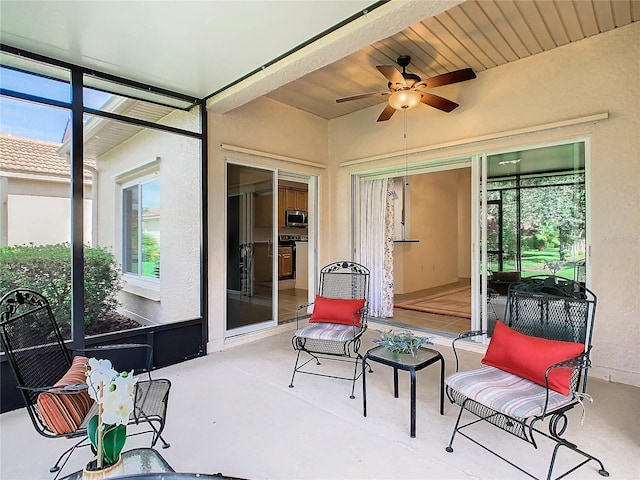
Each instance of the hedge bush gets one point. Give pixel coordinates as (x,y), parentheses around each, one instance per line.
(47,269)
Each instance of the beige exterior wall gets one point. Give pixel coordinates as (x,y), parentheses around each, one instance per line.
(597,75)
(38,211)
(176,296)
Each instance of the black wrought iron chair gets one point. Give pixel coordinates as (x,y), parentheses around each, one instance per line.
(52,383)
(339,319)
(535,369)
(580,271)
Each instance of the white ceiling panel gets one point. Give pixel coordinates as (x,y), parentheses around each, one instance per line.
(192,47)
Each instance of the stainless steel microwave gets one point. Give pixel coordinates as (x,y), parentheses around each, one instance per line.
(296,218)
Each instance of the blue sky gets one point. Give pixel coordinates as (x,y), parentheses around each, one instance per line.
(30,120)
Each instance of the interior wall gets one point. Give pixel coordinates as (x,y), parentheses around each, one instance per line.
(433,219)
(263,125)
(595,75)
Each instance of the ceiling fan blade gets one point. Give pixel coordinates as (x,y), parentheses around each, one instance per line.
(448,78)
(386,113)
(438,102)
(391,73)
(361,96)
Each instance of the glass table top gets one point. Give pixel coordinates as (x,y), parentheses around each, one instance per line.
(424,354)
(138,460)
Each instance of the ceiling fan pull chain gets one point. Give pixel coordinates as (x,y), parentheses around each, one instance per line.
(406,154)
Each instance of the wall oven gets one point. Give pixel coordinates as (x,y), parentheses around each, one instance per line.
(296,218)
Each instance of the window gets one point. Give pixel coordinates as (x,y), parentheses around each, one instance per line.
(141,228)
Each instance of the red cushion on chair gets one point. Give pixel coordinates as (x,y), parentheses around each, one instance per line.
(529,357)
(337,310)
(63,413)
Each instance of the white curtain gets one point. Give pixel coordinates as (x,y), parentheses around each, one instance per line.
(376,243)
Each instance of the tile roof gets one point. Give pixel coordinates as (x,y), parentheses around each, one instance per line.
(24,155)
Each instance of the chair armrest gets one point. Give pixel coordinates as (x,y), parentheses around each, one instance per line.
(302,306)
(93,351)
(362,312)
(461,336)
(581,362)
(59,390)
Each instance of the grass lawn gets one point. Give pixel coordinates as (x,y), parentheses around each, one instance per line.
(533,263)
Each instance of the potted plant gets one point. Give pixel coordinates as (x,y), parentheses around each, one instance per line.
(402,342)
(114,392)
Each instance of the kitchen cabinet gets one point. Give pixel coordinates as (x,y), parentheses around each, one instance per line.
(285,262)
(295,199)
(290,199)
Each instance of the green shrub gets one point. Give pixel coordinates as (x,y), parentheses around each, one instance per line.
(47,269)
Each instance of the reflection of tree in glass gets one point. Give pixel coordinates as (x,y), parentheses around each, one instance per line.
(552,212)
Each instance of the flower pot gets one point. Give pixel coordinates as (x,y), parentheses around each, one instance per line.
(115,470)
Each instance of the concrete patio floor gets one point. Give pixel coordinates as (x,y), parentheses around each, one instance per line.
(232,412)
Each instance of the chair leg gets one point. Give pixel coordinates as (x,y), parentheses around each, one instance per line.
(157,435)
(66,455)
(455,430)
(602,471)
(355,377)
(295,369)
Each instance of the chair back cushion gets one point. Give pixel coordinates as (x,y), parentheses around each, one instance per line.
(529,357)
(61,412)
(337,310)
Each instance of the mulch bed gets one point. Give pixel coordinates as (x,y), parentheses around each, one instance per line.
(111,322)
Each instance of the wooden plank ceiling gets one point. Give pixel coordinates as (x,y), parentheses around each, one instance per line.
(480,34)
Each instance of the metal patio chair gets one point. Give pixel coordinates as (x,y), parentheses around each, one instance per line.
(52,382)
(339,319)
(535,367)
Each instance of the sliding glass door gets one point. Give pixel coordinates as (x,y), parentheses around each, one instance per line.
(533,218)
(250,249)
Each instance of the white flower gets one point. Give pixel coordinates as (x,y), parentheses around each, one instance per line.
(125,382)
(100,371)
(117,405)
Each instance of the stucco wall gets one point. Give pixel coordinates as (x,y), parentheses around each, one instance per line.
(595,75)
(177,296)
(46,205)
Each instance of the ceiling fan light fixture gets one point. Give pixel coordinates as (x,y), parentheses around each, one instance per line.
(404,99)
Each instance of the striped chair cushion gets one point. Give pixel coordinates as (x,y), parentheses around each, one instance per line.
(63,413)
(327,331)
(505,392)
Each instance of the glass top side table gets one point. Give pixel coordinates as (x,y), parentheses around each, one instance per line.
(424,358)
(138,460)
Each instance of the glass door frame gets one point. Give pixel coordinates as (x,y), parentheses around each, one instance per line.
(313,210)
(430,166)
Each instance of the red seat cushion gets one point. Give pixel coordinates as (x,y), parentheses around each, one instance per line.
(64,412)
(337,310)
(529,357)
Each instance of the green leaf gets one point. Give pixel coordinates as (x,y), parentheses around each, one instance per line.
(113,442)
(92,431)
